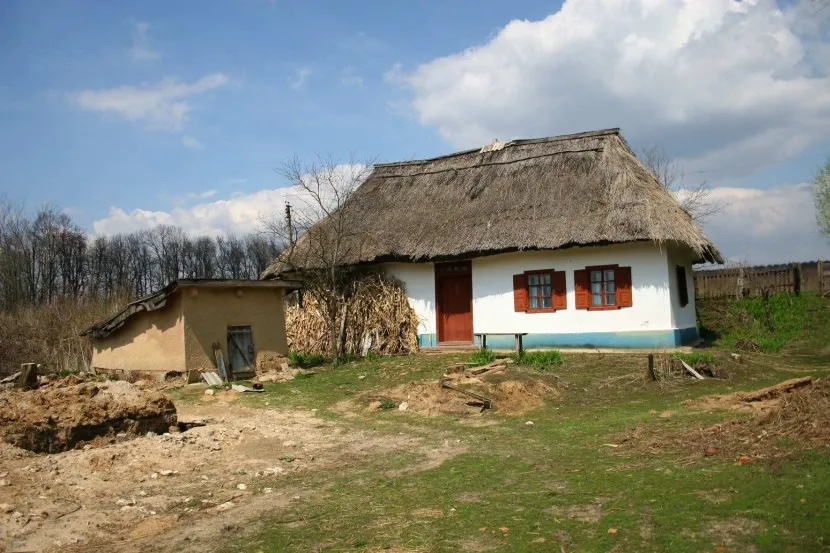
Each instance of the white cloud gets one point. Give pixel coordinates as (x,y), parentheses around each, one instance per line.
(297,82)
(242,212)
(163,105)
(767,226)
(191,143)
(194,196)
(727,85)
(350,79)
(141,50)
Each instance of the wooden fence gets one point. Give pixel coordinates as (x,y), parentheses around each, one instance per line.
(754,281)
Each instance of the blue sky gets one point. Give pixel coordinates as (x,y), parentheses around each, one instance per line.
(129,114)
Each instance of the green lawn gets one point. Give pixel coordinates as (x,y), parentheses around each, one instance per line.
(556,485)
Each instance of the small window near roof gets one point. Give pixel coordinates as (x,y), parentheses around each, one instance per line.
(682,286)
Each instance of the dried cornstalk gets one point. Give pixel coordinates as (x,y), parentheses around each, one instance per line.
(378,310)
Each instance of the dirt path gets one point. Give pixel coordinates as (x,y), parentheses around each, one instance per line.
(182,491)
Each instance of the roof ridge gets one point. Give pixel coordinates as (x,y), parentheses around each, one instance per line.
(519,141)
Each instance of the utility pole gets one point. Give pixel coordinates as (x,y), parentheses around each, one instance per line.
(288,222)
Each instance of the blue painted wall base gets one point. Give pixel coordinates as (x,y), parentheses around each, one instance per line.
(634,339)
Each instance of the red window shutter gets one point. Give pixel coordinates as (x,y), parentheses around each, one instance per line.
(582,287)
(559,290)
(622,276)
(519,292)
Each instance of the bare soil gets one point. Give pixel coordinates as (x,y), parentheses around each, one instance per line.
(512,393)
(69,413)
(182,491)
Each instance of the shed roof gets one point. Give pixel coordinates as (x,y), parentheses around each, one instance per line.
(158,300)
(536,194)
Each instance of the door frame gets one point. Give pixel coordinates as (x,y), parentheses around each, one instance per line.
(249,357)
(439,325)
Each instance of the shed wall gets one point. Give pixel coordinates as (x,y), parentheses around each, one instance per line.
(208,312)
(148,342)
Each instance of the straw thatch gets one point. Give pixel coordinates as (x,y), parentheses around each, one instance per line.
(540,194)
(378,313)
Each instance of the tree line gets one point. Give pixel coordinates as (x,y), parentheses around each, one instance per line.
(46,258)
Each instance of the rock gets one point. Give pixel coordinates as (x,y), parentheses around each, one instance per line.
(242,487)
(273,471)
(361,377)
(267,490)
(210,392)
(529,423)
(151,434)
(6,508)
(154,476)
(125,502)
(711,451)
(403,406)
(289,444)
(4,483)
(167,472)
(226,506)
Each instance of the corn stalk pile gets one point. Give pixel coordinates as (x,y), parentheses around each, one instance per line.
(377,312)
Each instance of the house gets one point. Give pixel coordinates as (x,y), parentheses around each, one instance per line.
(175,329)
(569,240)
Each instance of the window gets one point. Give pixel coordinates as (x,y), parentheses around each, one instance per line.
(540,291)
(682,286)
(603,292)
(603,287)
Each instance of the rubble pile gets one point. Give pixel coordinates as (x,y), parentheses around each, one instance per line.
(69,413)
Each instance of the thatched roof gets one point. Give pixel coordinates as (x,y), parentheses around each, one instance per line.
(538,194)
(158,299)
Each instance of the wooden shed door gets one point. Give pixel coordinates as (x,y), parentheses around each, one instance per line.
(454,301)
(240,349)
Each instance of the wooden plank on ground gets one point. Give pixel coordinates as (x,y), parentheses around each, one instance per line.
(691,370)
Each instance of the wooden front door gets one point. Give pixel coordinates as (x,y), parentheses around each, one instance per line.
(454,302)
(240,350)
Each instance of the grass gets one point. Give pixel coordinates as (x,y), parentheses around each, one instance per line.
(556,485)
(696,357)
(785,323)
(561,484)
(481,357)
(541,360)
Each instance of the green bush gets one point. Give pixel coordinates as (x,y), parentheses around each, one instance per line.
(539,359)
(482,357)
(304,360)
(783,321)
(388,404)
(695,358)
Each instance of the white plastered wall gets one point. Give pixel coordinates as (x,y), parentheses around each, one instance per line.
(419,279)
(683,317)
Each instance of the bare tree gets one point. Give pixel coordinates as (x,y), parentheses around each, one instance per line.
(696,200)
(821,197)
(323,235)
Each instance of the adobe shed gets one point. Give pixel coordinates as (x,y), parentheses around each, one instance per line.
(175,328)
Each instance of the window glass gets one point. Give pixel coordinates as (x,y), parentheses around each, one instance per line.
(596,287)
(546,301)
(534,302)
(610,299)
(533,279)
(546,278)
(596,276)
(609,274)
(596,299)
(609,286)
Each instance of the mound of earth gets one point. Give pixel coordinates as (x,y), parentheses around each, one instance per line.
(511,393)
(789,417)
(764,399)
(68,413)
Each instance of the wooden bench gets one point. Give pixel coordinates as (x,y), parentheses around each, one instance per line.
(517,337)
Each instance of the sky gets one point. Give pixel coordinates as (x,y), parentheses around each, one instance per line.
(131,114)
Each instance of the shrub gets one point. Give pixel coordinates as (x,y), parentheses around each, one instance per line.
(305,360)
(539,359)
(482,357)
(388,404)
(695,358)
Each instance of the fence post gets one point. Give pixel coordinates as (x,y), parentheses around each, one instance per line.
(820,269)
(797,279)
(739,292)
